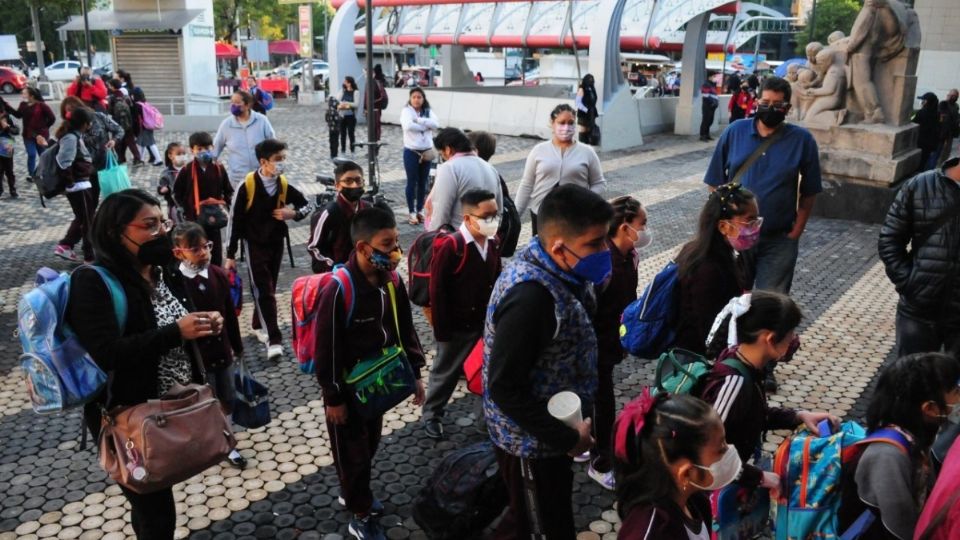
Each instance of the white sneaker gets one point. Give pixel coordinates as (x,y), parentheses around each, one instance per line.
(261,336)
(606,480)
(274,352)
(582,458)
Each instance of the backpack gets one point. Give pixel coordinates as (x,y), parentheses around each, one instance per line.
(509,231)
(58,371)
(250,185)
(648,325)
(236,290)
(383,98)
(265,99)
(680,371)
(812,470)
(473,368)
(152,119)
(304,299)
(120,112)
(47,174)
(464,494)
(418,261)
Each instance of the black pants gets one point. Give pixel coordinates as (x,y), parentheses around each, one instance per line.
(153,515)
(348,127)
(603,417)
(6,169)
(533,223)
(916,335)
(706,121)
(213,234)
(353,446)
(550,488)
(263,261)
(333,136)
(84,206)
(129,141)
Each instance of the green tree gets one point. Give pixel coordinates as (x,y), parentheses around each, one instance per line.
(53,13)
(268,16)
(831,15)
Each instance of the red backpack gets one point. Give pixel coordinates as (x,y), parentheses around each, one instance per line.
(418,261)
(304,299)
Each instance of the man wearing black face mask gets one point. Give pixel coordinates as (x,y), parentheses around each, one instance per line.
(780,163)
(330,242)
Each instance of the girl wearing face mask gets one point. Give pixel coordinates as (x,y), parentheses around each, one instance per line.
(418,122)
(561,160)
(145,357)
(348,116)
(174,158)
(75,169)
(669,450)
(710,271)
(750,332)
(37,119)
(628,234)
(915,396)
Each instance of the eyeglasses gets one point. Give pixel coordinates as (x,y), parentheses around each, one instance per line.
(755,223)
(772,104)
(198,250)
(352,181)
(489,220)
(153,226)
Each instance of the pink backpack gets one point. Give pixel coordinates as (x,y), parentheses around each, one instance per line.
(152,119)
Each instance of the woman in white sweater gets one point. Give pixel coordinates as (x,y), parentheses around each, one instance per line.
(418,123)
(561,160)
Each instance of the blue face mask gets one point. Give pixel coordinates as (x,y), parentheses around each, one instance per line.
(595,268)
(205,157)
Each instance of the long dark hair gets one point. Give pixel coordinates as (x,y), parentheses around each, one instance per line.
(35,94)
(727,202)
(352,81)
(113,215)
(425,109)
(771,311)
(904,386)
(675,427)
(625,210)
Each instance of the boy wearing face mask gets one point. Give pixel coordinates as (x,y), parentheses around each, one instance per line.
(260,210)
(463,269)
(208,289)
(204,182)
(340,346)
(329,243)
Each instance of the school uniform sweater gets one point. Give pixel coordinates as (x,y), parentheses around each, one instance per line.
(461,281)
(703,294)
(212,182)
(614,296)
(667,521)
(211,292)
(330,242)
(257,225)
(340,346)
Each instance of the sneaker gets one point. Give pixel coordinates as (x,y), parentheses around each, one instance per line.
(433,429)
(237,460)
(13,193)
(604,479)
(582,458)
(261,336)
(274,352)
(376,509)
(420,219)
(65,252)
(138,163)
(366,528)
(413,220)
(157,164)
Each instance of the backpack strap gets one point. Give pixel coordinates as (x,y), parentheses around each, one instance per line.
(738,365)
(342,276)
(392,289)
(886,435)
(282,201)
(459,240)
(250,185)
(117,294)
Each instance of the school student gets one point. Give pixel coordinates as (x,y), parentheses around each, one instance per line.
(174,159)
(260,210)
(373,326)
(538,341)
(329,243)
(207,288)
(753,331)
(710,267)
(203,183)
(76,170)
(8,129)
(671,450)
(915,396)
(940,518)
(463,270)
(628,233)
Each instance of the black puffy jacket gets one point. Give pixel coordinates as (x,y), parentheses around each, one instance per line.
(927,277)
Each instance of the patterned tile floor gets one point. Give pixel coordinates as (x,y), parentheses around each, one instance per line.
(54,489)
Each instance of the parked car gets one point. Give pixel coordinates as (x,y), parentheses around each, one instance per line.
(11,80)
(105,71)
(321,70)
(64,70)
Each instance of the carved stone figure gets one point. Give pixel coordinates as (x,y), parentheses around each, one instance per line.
(877,36)
(827,100)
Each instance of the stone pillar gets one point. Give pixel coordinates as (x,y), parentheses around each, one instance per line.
(343,53)
(688,117)
(456,72)
(620,114)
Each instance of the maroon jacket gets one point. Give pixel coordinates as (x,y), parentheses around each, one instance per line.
(666,521)
(212,181)
(37,119)
(459,298)
(742,406)
(340,346)
(213,294)
(614,296)
(330,242)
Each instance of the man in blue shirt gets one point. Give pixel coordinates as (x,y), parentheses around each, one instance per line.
(786,180)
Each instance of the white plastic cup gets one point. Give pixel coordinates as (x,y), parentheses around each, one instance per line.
(565,406)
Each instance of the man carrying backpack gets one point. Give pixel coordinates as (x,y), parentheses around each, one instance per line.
(121,111)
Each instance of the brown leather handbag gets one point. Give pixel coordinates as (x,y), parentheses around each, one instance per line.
(154,445)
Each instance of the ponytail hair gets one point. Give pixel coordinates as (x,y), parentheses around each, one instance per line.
(625,210)
(742,320)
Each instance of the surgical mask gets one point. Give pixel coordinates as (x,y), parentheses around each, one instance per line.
(205,158)
(771,117)
(386,261)
(724,471)
(488,226)
(352,194)
(278,168)
(236,110)
(196,268)
(954,415)
(746,238)
(595,268)
(156,252)
(644,238)
(564,132)
(180,160)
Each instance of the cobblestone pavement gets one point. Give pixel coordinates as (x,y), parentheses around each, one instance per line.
(52,488)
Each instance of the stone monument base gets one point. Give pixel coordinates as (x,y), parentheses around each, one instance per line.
(861,167)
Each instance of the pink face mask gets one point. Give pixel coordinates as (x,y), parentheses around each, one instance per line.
(564,132)
(747,236)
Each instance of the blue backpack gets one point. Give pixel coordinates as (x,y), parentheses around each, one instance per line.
(648,325)
(265,99)
(58,371)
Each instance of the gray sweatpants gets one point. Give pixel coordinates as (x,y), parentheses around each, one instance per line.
(446,371)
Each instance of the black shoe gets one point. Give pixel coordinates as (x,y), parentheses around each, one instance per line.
(433,429)
(770,383)
(13,193)
(138,163)
(239,462)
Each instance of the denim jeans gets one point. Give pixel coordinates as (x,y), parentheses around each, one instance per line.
(33,150)
(772,261)
(917,335)
(417,175)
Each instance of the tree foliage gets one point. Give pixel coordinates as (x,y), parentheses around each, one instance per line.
(53,13)
(831,15)
(267,18)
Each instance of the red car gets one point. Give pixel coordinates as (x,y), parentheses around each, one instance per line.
(11,81)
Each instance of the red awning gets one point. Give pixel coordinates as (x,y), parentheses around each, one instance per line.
(287,47)
(226,50)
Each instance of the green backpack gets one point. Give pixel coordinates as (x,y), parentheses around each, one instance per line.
(679,371)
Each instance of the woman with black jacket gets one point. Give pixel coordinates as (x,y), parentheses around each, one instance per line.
(928,136)
(147,356)
(587,109)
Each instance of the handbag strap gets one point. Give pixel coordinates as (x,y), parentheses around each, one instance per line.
(759,151)
(196,188)
(393,305)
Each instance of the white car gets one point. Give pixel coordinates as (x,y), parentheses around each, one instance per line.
(64,70)
(321,70)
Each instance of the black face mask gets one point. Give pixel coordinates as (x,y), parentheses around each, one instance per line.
(771,117)
(156,252)
(352,194)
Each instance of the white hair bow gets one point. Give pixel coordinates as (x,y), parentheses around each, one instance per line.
(736,307)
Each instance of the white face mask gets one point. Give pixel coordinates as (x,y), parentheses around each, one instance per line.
(196,268)
(644,238)
(488,227)
(954,415)
(723,471)
(278,168)
(180,160)
(564,132)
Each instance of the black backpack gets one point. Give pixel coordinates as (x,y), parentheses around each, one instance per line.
(509,231)
(120,112)
(418,261)
(464,494)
